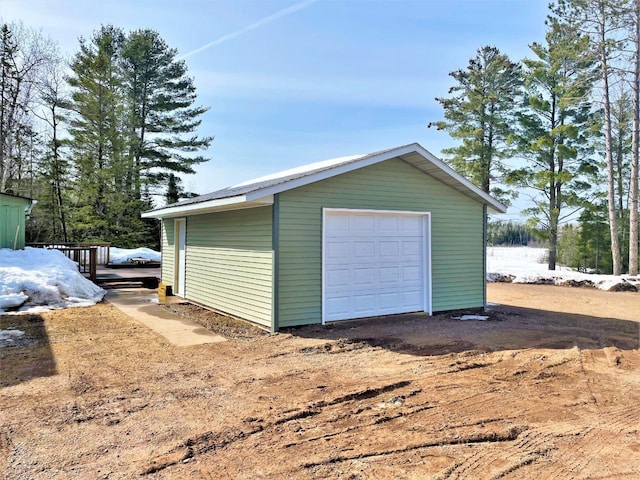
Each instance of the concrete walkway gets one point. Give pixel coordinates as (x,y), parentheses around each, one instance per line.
(140,304)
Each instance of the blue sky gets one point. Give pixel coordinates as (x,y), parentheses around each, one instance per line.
(294,82)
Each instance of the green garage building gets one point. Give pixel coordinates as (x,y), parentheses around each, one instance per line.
(390,232)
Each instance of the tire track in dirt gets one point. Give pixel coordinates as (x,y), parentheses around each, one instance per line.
(606,427)
(210,441)
(487,463)
(489,437)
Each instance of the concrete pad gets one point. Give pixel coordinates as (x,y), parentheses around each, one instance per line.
(140,304)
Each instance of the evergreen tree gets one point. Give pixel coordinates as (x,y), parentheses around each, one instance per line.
(161,112)
(479,114)
(594,240)
(133,129)
(97,139)
(554,131)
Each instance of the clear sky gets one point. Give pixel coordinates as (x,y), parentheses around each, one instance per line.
(294,82)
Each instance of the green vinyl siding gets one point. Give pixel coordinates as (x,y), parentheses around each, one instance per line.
(229,262)
(168,250)
(456,235)
(12,219)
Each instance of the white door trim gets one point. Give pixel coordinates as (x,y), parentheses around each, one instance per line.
(427,278)
(180,260)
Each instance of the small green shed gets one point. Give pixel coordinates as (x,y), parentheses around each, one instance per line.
(390,232)
(13,210)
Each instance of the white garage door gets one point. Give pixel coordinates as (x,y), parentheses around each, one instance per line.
(374,263)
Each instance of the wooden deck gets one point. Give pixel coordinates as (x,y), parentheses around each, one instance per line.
(119,277)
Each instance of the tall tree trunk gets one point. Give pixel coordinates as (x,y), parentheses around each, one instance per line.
(633,187)
(611,181)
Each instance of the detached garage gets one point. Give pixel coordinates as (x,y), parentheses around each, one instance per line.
(395,231)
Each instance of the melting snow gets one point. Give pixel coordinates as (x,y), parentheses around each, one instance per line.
(528,265)
(300,170)
(119,256)
(36,279)
(7,337)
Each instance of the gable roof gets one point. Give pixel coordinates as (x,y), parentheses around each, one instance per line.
(260,191)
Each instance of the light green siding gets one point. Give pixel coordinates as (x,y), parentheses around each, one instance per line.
(456,235)
(12,220)
(230,262)
(168,252)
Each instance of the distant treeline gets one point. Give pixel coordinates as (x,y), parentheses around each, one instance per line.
(509,233)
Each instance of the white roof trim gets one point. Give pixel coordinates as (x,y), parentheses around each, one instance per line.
(230,203)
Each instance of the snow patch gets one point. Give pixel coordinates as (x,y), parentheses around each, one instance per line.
(528,265)
(300,170)
(8,337)
(120,256)
(35,279)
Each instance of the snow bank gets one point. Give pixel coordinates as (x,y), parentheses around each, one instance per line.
(35,279)
(528,265)
(119,256)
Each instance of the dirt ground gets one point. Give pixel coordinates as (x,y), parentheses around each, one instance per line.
(548,387)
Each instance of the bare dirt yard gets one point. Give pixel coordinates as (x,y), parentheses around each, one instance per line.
(548,387)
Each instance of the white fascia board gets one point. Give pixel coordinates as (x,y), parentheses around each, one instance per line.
(332,172)
(217,205)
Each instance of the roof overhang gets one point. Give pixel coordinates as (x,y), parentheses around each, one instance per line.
(210,206)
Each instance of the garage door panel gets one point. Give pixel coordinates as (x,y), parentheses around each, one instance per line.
(338,223)
(412,299)
(387,223)
(412,224)
(338,306)
(338,249)
(364,304)
(338,277)
(411,273)
(388,248)
(374,264)
(364,276)
(411,248)
(363,249)
(389,274)
(362,224)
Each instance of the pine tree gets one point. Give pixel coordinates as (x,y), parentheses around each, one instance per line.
(97,140)
(133,128)
(161,112)
(479,114)
(554,130)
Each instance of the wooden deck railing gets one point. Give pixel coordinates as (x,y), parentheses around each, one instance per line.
(85,257)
